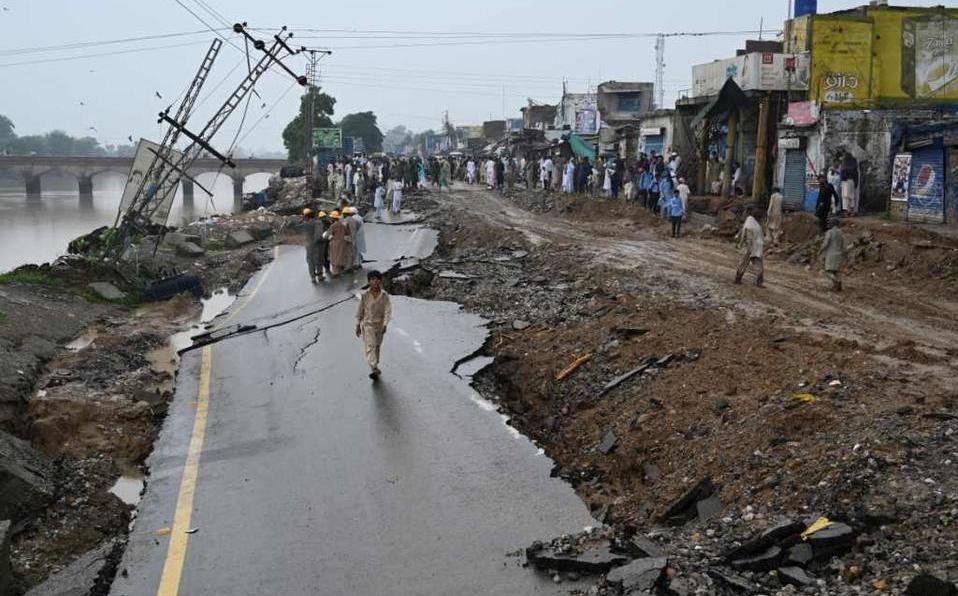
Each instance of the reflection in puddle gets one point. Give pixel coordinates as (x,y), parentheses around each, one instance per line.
(128,486)
(82,342)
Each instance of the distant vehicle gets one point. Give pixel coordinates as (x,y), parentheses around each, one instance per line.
(291,172)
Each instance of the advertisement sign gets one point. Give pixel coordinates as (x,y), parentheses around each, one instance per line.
(801,113)
(328,138)
(585,122)
(926,186)
(929,56)
(162,198)
(764,71)
(841,71)
(900,177)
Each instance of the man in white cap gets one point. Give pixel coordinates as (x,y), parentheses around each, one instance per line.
(684,192)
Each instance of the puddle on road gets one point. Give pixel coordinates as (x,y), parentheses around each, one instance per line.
(216,304)
(82,342)
(471,367)
(129,486)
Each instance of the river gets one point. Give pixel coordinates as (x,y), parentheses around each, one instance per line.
(38,231)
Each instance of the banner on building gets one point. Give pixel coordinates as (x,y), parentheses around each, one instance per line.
(585,122)
(841,71)
(328,138)
(759,71)
(900,177)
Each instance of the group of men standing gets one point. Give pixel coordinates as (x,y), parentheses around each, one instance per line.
(335,242)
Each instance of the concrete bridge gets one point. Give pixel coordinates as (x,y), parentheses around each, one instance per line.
(32,168)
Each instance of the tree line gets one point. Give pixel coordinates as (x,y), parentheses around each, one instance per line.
(55,142)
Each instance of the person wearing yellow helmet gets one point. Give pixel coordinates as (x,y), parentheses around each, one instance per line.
(313,229)
(340,245)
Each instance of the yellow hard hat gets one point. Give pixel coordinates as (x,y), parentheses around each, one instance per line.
(335,215)
(349,210)
(307,211)
(321,214)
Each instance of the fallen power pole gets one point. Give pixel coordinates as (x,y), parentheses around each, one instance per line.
(154,195)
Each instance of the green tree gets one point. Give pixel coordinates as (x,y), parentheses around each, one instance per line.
(295,133)
(363,125)
(7,135)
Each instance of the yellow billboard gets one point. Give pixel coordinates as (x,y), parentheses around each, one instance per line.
(841,61)
(916,53)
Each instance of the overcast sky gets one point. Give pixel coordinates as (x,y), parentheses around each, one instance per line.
(400,59)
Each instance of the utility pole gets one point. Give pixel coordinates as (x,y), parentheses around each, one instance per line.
(660,70)
(310,113)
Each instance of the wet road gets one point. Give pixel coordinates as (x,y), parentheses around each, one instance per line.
(301,476)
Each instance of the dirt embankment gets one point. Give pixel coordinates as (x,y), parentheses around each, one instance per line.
(792,401)
(85,382)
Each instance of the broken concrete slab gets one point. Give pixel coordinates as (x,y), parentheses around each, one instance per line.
(188,249)
(929,585)
(106,290)
(6,575)
(764,561)
(795,576)
(733,582)
(238,238)
(25,474)
(519,325)
(609,443)
(176,238)
(784,534)
(836,539)
(591,562)
(799,555)
(684,509)
(709,508)
(449,274)
(640,546)
(639,575)
(80,577)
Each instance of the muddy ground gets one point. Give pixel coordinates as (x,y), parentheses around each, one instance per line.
(793,401)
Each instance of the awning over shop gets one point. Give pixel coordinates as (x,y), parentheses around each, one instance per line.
(731,96)
(580,147)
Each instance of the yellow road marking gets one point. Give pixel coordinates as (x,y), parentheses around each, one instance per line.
(259,284)
(176,553)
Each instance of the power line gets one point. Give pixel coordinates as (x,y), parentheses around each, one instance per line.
(100,54)
(88,44)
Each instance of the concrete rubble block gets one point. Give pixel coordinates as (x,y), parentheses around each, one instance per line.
(639,575)
(238,238)
(929,585)
(684,509)
(836,539)
(784,534)
(594,561)
(260,232)
(609,443)
(519,325)
(641,546)
(795,576)
(80,577)
(106,290)
(176,238)
(766,560)
(732,582)
(709,508)
(189,249)
(6,575)
(25,478)
(799,555)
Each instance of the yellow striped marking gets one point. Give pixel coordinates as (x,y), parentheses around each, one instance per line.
(176,553)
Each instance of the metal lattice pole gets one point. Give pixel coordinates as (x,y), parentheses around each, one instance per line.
(660,70)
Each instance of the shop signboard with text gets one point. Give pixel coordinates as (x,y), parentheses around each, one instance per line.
(841,63)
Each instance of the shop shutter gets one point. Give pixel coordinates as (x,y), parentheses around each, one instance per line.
(926,190)
(794,185)
(654,143)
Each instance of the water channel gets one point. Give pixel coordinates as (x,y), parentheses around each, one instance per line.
(38,231)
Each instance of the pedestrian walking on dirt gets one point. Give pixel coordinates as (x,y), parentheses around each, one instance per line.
(773,219)
(833,251)
(676,213)
(372,319)
(751,239)
(827,199)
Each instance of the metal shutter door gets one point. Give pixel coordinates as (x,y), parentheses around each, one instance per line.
(793,188)
(926,189)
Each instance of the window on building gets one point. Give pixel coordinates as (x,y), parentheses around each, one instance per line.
(630,102)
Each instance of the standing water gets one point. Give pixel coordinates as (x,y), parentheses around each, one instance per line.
(39,230)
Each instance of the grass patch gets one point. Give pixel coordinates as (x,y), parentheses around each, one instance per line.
(215,245)
(35,278)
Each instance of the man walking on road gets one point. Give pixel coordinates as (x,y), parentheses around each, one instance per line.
(833,249)
(752,239)
(826,198)
(773,219)
(372,318)
(676,213)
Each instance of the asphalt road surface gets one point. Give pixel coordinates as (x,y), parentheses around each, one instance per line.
(282,469)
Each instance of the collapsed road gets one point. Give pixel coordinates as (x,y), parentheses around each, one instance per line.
(282,469)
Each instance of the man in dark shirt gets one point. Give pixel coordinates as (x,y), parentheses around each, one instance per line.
(826,197)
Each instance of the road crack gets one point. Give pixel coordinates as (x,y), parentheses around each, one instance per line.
(305,349)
